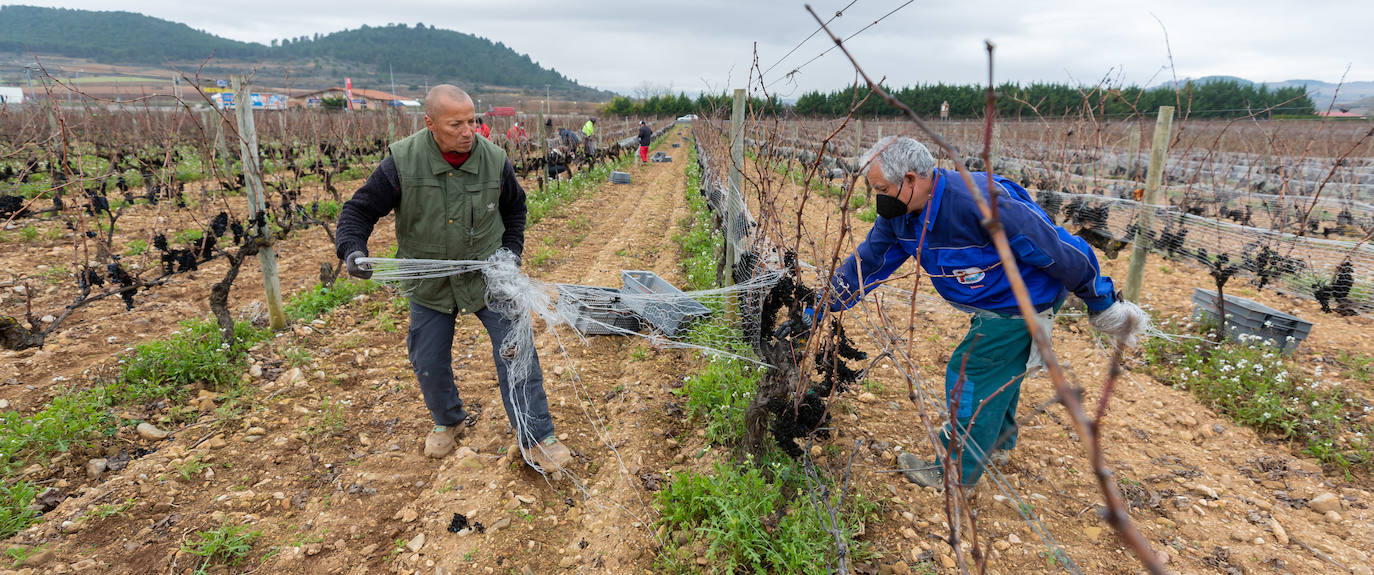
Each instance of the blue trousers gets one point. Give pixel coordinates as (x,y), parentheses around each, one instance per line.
(430,346)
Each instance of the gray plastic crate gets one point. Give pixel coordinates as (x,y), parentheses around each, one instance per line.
(620,177)
(669,310)
(1253,318)
(590,307)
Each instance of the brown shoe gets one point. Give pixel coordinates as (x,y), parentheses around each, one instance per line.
(442,440)
(550,455)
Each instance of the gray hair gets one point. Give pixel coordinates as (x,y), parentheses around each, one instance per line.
(897,155)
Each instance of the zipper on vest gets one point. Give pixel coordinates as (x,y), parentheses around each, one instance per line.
(472,222)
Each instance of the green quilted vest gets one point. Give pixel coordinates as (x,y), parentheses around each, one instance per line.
(448,214)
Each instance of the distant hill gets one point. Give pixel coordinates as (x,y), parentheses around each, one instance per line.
(130,38)
(1320,92)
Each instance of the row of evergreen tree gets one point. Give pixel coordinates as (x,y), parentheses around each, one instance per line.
(1212,99)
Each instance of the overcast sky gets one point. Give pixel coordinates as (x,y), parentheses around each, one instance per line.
(709,44)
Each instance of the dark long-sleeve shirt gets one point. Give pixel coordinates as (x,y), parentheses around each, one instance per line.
(645,135)
(382,193)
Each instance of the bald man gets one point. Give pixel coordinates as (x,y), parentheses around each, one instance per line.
(456,198)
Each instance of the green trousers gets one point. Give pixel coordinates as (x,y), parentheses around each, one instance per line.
(982,386)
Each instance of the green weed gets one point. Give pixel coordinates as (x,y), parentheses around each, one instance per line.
(135,248)
(1258,386)
(297,356)
(318,300)
(753,519)
(191,467)
(226,545)
(15,514)
(29,233)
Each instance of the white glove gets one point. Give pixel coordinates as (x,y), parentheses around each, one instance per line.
(1124,321)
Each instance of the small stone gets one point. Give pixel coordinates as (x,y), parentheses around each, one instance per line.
(1185,435)
(256,431)
(909,533)
(1013,539)
(1238,537)
(1186,420)
(567,561)
(1333,517)
(216,442)
(948,562)
(501,523)
(815,450)
(1092,532)
(47,319)
(150,432)
(867,397)
(470,462)
(1002,545)
(901,568)
(527,500)
(558,370)
(1218,428)
(312,549)
(1361,570)
(409,515)
(1280,534)
(255,370)
(95,467)
(369,550)
(417,543)
(4,404)
(1325,502)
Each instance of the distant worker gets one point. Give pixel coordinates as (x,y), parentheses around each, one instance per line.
(914,200)
(516,134)
(645,136)
(588,131)
(473,209)
(944,110)
(483,129)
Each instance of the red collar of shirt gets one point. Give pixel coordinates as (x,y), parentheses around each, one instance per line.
(456,159)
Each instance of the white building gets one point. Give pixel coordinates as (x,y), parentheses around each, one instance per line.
(11,96)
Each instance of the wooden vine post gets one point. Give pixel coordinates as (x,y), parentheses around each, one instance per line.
(1159,152)
(257,205)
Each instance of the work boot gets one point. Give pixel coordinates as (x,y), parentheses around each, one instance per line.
(1000,458)
(550,455)
(923,473)
(442,439)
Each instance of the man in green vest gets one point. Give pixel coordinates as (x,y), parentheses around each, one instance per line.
(456,198)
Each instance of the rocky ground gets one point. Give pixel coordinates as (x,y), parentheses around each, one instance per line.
(324,459)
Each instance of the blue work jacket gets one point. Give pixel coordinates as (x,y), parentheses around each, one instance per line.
(961,260)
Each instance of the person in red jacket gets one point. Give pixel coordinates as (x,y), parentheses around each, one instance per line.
(516,133)
(483,129)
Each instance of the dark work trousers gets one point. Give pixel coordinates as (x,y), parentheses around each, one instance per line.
(430,344)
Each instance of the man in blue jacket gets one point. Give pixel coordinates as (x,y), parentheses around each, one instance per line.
(928,213)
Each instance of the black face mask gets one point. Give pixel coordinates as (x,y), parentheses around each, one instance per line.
(890,207)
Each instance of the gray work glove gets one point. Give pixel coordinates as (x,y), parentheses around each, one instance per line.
(354,269)
(1124,322)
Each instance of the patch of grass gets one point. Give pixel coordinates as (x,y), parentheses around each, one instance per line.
(226,545)
(868,214)
(397,547)
(1357,365)
(188,236)
(874,387)
(54,233)
(136,247)
(718,395)
(194,354)
(753,519)
(56,275)
(29,233)
(19,555)
(156,370)
(15,515)
(542,256)
(109,509)
(318,300)
(191,467)
(297,356)
(640,353)
(330,420)
(697,239)
(1258,386)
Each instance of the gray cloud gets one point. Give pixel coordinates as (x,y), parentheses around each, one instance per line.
(709,44)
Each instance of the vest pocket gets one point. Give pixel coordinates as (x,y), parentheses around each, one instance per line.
(484,211)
